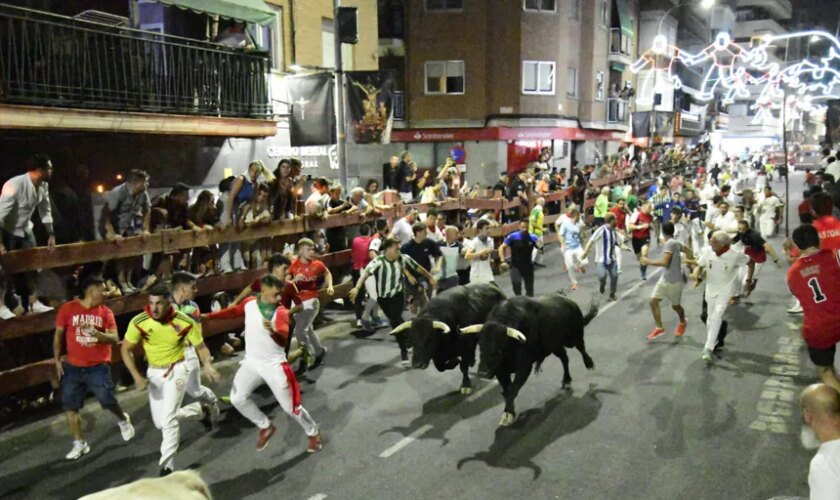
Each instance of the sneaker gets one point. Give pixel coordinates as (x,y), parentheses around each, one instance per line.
(680,331)
(618,271)
(359,323)
(613,298)
(404,358)
(37,307)
(126,429)
(796,309)
(79,448)
(603,286)
(320,358)
(314,443)
(6,313)
(707,356)
(644,278)
(380,322)
(265,435)
(656,332)
(165,471)
(214,410)
(574,286)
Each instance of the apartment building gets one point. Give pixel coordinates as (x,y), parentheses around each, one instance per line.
(504,79)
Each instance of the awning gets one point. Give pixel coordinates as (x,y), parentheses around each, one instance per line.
(252,11)
(625,17)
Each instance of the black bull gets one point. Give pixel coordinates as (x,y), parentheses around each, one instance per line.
(435,332)
(521,332)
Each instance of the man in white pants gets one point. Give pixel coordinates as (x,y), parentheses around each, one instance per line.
(720,264)
(164,331)
(769,210)
(570,245)
(184,290)
(266,338)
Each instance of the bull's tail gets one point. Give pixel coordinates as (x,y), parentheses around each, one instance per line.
(593,311)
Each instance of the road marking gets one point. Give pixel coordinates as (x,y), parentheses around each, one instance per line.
(793,326)
(477,394)
(402,443)
(319,496)
(628,292)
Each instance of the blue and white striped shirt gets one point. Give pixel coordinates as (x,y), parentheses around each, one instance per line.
(604,241)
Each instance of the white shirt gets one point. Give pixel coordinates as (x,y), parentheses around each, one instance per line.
(824,474)
(767,208)
(435,234)
(259,344)
(834,169)
(316,203)
(402,231)
(480,270)
(681,232)
(18,201)
(708,192)
(721,272)
(726,222)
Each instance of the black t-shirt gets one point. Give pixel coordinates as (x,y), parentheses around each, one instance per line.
(422,252)
(515,187)
(750,239)
(404,171)
(521,248)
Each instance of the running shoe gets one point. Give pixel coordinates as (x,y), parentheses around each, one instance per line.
(707,356)
(126,429)
(656,332)
(574,286)
(404,358)
(79,448)
(314,443)
(680,331)
(265,435)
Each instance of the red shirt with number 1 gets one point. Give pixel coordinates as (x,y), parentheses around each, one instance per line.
(311,272)
(815,281)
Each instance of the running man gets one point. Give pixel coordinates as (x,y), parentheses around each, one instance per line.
(670,284)
(304,273)
(184,290)
(606,247)
(266,340)
(88,329)
(639,225)
(163,331)
(389,269)
(572,248)
(522,244)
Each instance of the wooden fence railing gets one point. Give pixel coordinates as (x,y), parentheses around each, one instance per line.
(170,241)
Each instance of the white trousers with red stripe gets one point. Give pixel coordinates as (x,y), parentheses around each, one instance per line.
(166,393)
(252,374)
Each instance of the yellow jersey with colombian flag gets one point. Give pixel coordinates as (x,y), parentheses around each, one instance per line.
(163,341)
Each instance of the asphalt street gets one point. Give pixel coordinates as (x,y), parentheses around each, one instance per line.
(652,420)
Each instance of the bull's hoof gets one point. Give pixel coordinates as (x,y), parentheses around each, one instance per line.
(507,419)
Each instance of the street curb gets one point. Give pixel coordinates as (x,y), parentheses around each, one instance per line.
(132,402)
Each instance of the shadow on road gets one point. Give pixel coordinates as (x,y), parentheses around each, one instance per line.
(256,480)
(516,447)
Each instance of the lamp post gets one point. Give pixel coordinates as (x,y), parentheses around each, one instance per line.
(341,132)
(706,4)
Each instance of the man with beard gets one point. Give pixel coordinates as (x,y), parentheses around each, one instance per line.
(821,414)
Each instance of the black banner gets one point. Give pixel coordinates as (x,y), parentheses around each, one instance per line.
(370,98)
(312,121)
(832,122)
(641,124)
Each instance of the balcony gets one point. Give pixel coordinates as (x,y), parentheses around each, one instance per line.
(621,47)
(59,62)
(618,110)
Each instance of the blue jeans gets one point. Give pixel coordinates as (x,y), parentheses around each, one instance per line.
(612,270)
(78,381)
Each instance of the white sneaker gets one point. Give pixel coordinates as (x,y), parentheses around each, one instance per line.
(358,321)
(79,448)
(126,429)
(796,309)
(37,307)
(6,313)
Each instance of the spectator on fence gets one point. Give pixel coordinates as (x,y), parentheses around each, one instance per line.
(127,212)
(317,203)
(255,213)
(359,203)
(230,254)
(171,210)
(202,216)
(21,196)
(337,236)
(406,176)
(284,196)
(500,189)
(242,189)
(390,174)
(88,330)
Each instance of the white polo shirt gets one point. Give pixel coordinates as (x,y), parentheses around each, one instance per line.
(824,473)
(721,272)
(480,270)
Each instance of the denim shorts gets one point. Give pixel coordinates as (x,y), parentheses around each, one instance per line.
(78,381)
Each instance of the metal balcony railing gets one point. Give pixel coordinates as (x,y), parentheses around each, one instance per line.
(52,60)
(620,42)
(617,110)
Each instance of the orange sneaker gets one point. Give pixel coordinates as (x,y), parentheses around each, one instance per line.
(574,286)
(265,435)
(314,443)
(680,331)
(655,333)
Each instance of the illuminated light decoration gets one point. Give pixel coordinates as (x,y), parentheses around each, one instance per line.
(663,73)
(724,54)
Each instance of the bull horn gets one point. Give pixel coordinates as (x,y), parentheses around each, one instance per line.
(471,329)
(404,326)
(516,334)
(440,325)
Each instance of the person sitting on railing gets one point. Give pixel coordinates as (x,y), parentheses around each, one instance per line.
(317,203)
(254,213)
(337,236)
(202,215)
(171,211)
(21,196)
(373,196)
(127,212)
(241,191)
(359,203)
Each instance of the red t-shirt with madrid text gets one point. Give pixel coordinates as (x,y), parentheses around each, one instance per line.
(311,272)
(82,347)
(815,280)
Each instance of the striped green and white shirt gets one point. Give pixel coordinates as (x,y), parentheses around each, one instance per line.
(388,274)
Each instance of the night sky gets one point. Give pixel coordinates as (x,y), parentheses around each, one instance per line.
(822,14)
